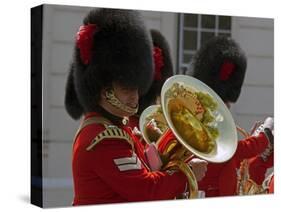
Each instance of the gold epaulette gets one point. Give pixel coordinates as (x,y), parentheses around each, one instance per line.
(90,121)
(111,132)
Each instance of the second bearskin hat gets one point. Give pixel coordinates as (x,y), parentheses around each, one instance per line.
(112,45)
(163,69)
(221,64)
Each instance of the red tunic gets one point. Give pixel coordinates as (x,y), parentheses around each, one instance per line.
(221,179)
(134,121)
(258,168)
(111,172)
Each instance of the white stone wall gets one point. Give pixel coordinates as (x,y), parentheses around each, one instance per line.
(257,97)
(60,26)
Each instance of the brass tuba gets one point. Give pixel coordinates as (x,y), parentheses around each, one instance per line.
(183,129)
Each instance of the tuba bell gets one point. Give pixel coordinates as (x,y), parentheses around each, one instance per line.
(191,120)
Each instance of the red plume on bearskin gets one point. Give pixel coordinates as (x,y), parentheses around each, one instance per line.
(84,41)
(163,67)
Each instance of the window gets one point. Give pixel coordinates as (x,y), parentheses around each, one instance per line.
(194,31)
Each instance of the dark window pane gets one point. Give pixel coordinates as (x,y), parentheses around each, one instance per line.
(208,21)
(190,40)
(225,34)
(187,58)
(190,20)
(205,36)
(224,22)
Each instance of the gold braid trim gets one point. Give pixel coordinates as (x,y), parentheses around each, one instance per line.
(112,132)
(245,185)
(113,100)
(89,121)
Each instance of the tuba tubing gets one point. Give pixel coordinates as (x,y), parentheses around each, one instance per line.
(177,156)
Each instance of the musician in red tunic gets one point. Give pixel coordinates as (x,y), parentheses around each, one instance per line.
(259,165)
(221,64)
(112,66)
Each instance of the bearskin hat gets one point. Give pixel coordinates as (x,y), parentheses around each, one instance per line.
(163,69)
(112,45)
(221,64)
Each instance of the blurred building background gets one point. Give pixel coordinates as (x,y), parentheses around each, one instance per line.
(185,34)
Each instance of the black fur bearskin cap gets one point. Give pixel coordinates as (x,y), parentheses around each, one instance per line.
(121,51)
(165,69)
(221,64)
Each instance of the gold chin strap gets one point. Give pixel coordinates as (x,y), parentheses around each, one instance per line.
(113,100)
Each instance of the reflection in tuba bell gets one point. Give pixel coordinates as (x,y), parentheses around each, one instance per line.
(191,120)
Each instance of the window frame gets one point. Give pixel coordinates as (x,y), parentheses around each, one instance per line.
(182,66)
